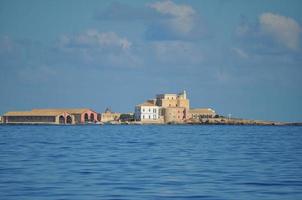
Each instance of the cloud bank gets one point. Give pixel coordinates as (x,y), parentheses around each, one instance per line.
(271,31)
(284,30)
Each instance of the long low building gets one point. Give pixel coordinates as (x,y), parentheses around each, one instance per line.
(197,113)
(51,116)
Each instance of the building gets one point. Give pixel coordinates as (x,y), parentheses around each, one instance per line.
(173,100)
(174,107)
(82,115)
(38,117)
(51,116)
(198,113)
(147,112)
(109,116)
(168,108)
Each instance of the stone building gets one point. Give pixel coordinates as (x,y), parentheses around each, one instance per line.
(51,116)
(174,107)
(168,108)
(198,113)
(109,116)
(173,100)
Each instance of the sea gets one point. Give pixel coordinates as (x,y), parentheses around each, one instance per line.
(150,162)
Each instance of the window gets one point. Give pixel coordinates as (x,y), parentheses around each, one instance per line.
(154,110)
(149,110)
(154,116)
(143,110)
(143,116)
(149,116)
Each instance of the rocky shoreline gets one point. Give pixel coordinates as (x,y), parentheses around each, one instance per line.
(214,121)
(203,121)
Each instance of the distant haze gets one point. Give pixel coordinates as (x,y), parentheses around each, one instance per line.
(238,57)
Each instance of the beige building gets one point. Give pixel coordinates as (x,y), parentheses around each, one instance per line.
(51,116)
(109,116)
(173,100)
(174,107)
(198,113)
(38,117)
(81,115)
(170,108)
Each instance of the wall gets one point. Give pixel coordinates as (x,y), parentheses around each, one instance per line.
(107,117)
(30,119)
(57,121)
(89,112)
(174,114)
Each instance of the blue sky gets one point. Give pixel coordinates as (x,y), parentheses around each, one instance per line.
(238,57)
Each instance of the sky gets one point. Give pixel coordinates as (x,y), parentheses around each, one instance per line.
(242,58)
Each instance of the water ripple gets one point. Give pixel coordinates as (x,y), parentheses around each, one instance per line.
(150,162)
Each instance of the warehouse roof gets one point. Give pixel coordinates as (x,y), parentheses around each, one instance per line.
(46,112)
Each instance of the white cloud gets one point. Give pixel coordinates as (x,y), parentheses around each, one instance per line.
(182,15)
(283,29)
(93,38)
(96,49)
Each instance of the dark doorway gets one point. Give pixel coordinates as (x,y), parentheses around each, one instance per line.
(86,117)
(92,117)
(61,120)
(68,120)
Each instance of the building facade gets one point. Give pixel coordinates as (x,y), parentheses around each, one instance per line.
(147,112)
(109,116)
(173,100)
(175,107)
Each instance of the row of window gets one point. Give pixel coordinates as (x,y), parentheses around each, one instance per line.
(149,117)
(202,116)
(154,110)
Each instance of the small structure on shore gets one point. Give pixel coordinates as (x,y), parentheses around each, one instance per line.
(198,113)
(109,116)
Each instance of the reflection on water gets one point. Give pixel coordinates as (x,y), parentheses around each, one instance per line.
(150,162)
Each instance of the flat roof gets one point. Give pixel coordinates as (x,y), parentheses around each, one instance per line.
(47,112)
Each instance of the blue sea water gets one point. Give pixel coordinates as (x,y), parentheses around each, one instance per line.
(150,162)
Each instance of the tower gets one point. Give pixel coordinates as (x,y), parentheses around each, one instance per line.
(184,94)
